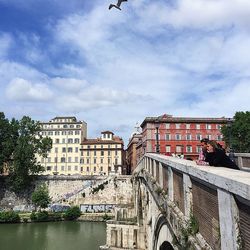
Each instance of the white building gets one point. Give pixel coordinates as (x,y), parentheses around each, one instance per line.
(67,134)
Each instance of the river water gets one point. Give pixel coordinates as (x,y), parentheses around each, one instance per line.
(53,236)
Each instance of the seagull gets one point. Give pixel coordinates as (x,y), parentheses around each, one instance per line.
(117,5)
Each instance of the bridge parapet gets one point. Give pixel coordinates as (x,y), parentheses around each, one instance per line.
(207,207)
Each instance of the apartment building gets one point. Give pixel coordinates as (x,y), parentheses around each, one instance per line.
(170,135)
(66,134)
(102,156)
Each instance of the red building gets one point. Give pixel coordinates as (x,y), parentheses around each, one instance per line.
(180,135)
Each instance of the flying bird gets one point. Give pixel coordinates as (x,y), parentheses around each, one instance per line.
(117,5)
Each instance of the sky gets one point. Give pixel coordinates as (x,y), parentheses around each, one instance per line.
(113,68)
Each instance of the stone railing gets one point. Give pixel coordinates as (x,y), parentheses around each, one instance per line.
(218,198)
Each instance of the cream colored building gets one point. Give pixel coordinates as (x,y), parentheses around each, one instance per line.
(104,155)
(67,134)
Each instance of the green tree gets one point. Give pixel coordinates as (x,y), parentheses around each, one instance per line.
(8,139)
(237,133)
(28,144)
(40,197)
(72,213)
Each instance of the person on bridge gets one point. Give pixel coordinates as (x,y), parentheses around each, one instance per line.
(217,157)
(203,153)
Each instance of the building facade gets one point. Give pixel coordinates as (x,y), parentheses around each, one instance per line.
(170,135)
(102,156)
(132,151)
(66,134)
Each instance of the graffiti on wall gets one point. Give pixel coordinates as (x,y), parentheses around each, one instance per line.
(96,208)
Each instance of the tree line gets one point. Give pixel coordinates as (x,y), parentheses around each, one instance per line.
(20,143)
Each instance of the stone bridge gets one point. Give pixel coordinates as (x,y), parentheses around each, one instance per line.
(179,205)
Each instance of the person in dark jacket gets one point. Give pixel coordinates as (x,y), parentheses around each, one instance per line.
(217,157)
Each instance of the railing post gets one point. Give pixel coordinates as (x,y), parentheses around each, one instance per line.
(160,174)
(170,184)
(229,217)
(188,200)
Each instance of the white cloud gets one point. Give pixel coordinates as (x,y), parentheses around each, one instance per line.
(5,43)
(69,84)
(22,90)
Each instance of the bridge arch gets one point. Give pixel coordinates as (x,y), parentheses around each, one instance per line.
(163,235)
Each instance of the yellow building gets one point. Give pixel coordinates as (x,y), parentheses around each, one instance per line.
(102,156)
(66,134)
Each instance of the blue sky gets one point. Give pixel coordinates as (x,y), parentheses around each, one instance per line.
(113,68)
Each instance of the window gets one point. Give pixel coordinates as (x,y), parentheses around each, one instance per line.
(76,149)
(187,126)
(189,149)
(62,168)
(76,168)
(70,140)
(65,126)
(218,126)
(219,137)
(88,146)
(168,137)
(189,137)
(168,148)
(94,169)
(77,140)
(109,153)
(64,150)
(87,169)
(57,140)
(198,137)
(102,153)
(88,153)
(101,168)
(177,125)
(48,168)
(77,132)
(76,159)
(55,159)
(94,153)
(71,126)
(62,159)
(179,149)
(167,126)
(198,149)
(94,160)
(208,126)
(116,152)
(70,150)
(49,159)
(56,150)
(70,132)
(88,161)
(209,137)
(63,140)
(198,126)
(69,168)
(116,161)
(177,137)
(101,160)
(69,159)
(82,161)
(109,160)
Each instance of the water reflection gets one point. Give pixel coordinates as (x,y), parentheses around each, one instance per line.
(52,236)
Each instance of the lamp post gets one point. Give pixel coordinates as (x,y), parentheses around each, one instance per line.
(157,125)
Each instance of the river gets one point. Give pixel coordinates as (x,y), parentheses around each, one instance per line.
(53,236)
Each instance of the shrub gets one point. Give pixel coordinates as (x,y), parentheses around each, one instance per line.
(9,217)
(42,216)
(72,213)
(39,216)
(33,216)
